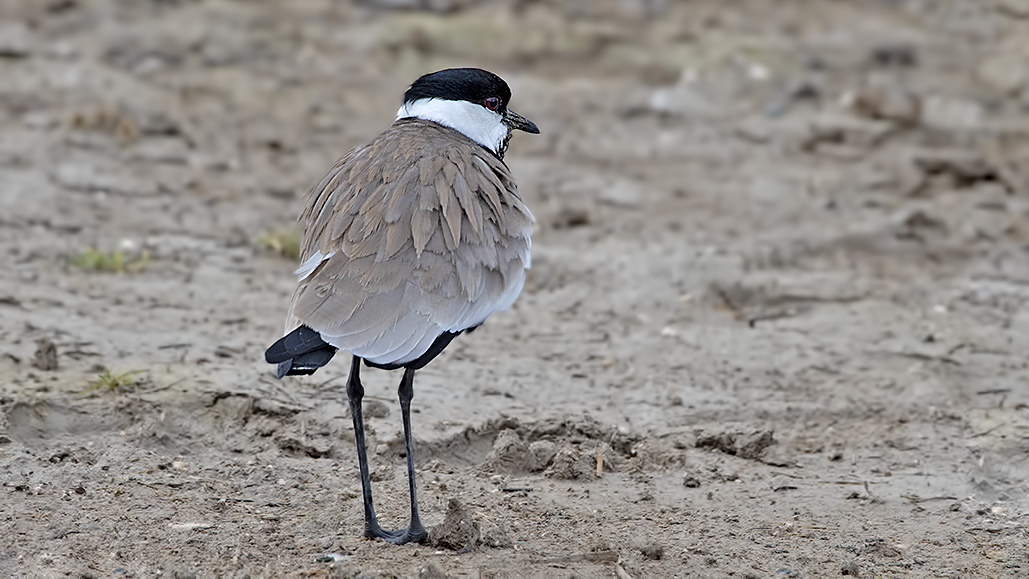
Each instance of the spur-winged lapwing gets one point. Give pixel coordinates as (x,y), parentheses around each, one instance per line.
(409,241)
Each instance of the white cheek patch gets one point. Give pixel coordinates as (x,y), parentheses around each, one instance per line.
(476,122)
(308,267)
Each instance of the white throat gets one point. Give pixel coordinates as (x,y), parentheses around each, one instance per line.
(476,122)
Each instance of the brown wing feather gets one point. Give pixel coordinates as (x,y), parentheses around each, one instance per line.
(426,232)
(450,205)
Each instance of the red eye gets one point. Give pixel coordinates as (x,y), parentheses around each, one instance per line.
(492,103)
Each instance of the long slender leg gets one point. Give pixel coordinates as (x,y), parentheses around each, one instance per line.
(355,392)
(415,531)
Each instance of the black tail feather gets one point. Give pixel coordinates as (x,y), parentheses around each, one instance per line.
(302,351)
(299,341)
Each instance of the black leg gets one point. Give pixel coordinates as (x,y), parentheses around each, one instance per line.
(415,531)
(355,392)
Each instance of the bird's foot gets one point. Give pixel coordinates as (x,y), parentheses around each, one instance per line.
(416,533)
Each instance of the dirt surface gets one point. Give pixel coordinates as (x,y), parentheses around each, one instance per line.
(777,321)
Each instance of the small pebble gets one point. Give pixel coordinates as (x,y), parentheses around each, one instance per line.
(331,558)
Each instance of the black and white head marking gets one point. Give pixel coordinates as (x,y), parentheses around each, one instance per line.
(470,100)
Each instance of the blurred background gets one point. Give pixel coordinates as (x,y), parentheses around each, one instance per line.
(776,319)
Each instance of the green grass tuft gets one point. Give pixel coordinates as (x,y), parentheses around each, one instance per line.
(281,240)
(92,259)
(108,380)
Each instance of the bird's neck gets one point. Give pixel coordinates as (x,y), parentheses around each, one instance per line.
(473,121)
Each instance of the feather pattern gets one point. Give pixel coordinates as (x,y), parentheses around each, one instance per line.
(417,233)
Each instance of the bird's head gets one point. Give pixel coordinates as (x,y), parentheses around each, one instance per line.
(470,100)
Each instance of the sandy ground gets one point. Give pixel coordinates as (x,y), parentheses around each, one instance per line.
(776,324)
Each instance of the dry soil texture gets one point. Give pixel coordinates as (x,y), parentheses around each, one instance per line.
(777,321)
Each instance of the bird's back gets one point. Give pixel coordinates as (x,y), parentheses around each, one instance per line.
(418,233)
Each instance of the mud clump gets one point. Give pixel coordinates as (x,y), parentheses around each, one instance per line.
(458,531)
(510,454)
(541,453)
(584,463)
(572,457)
(571,463)
(749,445)
(299,446)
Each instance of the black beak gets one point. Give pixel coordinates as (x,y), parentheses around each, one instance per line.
(516,121)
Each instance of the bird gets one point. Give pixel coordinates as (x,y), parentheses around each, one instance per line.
(410,240)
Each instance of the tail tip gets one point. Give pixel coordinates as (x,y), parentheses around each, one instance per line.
(283,368)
